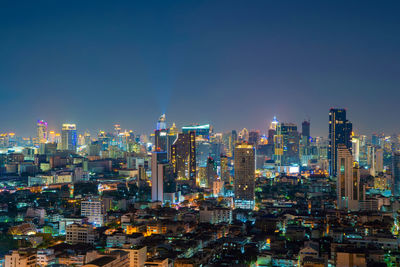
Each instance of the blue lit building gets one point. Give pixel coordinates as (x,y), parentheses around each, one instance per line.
(340,130)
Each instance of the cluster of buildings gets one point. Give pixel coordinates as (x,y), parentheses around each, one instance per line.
(196,197)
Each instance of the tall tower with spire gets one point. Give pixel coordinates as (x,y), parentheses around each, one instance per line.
(162,122)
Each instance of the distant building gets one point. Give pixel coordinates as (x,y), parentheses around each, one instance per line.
(340,130)
(254,137)
(41,131)
(244,176)
(68,137)
(396,174)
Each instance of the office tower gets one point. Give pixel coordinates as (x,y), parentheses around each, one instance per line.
(203,150)
(52,137)
(161,140)
(355,147)
(201,131)
(244,135)
(162,122)
(158,162)
(396,174)
(305,128)
(87,140)
(224,170)
(173,130)
(117,129)
(94,211)
(291,142)
(379,160)
(278,145)
(183,156)
(244,176)
(348,180)
(305,132)
(68,137)
(211,172)
(273,124)
(234,137)
(215,150)
(41,131)
(375,139)
(340,130)
(254,138)
(271,135)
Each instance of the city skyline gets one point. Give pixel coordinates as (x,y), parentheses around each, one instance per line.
(199,133)
(97,65)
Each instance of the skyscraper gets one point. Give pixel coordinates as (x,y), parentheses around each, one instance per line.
(224,170)
(348,180)
(162,124)
(41,131)
(305,133)
(68,137)
(183,156)
(290,141)
(305,128)
(211,172)
(159,160)
(340,130)
(161,140)
(254,138)
(396,174)
(244,176)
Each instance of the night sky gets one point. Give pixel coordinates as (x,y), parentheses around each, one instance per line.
(233,64)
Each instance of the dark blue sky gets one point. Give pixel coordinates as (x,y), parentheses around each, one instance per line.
(234,64)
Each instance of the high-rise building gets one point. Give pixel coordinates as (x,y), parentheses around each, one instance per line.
(305,133)
(244,135)
(291,142)
(234,137)
(160,172)
(355,148)
(244,176)
(117,129)
(68,137)
(278,145)
(41,131)
(305,128)
(183,156)
(254,137)
(211,171)
(224,170)
(340,130)
(274,124)
(201,131)
(162,122)
(348,180)
(396,174)
(379,160)
(161,140)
